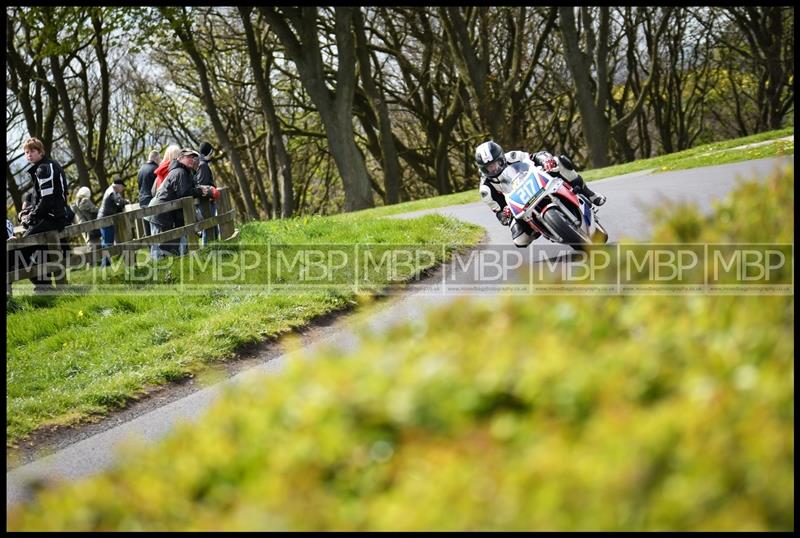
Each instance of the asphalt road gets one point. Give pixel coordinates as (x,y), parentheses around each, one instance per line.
(624,215)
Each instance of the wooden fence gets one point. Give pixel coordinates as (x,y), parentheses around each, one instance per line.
(128,233)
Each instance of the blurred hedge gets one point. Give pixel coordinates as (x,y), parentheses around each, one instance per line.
(607,413)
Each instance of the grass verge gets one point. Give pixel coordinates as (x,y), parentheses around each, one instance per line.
(623,413)
(724,152)
(75,356)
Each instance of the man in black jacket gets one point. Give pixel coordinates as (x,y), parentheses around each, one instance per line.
(205,177)
(146,177)
(179,183)
(49,207)
(49,191)
(113,203)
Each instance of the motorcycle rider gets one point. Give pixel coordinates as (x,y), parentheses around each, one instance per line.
(491,161)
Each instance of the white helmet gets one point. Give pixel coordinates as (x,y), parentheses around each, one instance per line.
(490,159)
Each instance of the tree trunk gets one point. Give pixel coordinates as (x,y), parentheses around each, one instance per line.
(282,159)
(105,100)
(259,180)
(592,95)
(594,122)
(69,123)
(390,161)
(273,175)
(335,111)
(184,34)
(13,189)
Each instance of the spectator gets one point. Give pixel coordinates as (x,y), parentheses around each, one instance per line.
(170,154)
(22,217)
(48,210)
(27,205)
(85,211)
(179,183)
(206,177)
(146,178)
(49,200)
(9,237)
(113,203)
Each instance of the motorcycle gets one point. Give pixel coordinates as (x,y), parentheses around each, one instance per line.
(550,206)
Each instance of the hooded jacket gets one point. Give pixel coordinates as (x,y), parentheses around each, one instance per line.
(204,175)
(161,172)
(179,183)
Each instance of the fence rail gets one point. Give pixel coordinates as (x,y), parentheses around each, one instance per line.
(129,233)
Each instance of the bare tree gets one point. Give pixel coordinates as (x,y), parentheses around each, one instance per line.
(277,156)
(768,32)
(181,25)
(592,92)
(390,161)
(297,30)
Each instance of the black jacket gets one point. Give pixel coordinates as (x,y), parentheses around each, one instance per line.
(179,183)
(49,194)
(112,203)
(204,175)
(146,178)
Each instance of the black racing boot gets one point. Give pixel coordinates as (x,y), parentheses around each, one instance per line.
(579,185)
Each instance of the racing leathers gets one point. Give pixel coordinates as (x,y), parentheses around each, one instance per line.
(521,232)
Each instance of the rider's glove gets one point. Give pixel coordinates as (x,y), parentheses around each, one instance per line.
(550,165)
(504,216)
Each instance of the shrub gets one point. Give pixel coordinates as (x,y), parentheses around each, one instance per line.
(606,413)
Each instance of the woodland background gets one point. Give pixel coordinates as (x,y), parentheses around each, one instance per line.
(319,110)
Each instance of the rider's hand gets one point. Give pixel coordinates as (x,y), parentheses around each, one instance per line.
(550,164)
(504,216)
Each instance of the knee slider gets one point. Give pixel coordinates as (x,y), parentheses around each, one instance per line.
(520,236)
(523,240)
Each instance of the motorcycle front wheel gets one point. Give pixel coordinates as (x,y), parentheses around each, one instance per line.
(575,238)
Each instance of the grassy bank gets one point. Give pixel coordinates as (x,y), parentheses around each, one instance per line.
(74,356)
(630,412)
(724,152)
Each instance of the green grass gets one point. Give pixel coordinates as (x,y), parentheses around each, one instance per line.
(74,356)
(613,413)
(705,155)
(458,198)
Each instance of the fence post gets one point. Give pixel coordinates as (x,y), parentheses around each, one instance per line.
(189,217)
(137,224)
(122,234)
(224,205)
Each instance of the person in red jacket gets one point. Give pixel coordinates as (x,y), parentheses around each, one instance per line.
(161,171)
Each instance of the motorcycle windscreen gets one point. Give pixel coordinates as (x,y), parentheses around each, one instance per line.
(524,183)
